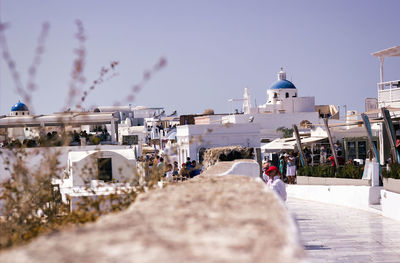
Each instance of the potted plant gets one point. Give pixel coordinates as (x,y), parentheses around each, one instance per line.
(391,178)
(327,175)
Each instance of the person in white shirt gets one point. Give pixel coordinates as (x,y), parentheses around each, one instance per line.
(169,174)
(275,182)
(291,168)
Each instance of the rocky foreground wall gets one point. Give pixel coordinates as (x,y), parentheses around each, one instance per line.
(206,219)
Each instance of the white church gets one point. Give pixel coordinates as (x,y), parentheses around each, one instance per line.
(283,108)
(282,97)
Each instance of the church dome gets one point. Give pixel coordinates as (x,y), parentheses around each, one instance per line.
(19,106)
(282,84)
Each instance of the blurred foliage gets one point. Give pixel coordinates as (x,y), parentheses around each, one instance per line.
(32,205)
(286,132)
(348,171)
(392,172)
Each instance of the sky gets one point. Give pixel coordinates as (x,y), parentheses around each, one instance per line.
(213,48)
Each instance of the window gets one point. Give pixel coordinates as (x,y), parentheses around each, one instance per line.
(16,113)
(376,144)
(23,113)
(287,94)
(362,150)
(351,149)
(104,169)
(275,95)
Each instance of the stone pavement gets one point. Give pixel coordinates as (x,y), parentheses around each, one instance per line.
(333,233)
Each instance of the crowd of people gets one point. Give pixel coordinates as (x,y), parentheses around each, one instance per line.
(287,165)
(172,172)
(275,175)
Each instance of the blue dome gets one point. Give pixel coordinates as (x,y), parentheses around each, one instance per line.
(282,84)
(19,107)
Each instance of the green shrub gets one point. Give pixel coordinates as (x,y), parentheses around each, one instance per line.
(347,171)
(95,140)
(392,172)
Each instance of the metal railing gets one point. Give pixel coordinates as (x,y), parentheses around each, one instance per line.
(389,93)
(389,85)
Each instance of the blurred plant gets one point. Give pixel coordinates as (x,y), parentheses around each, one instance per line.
(392,172)
(349,171)
(106,73)
(77,77)
(30,200)
(25,93)
(286,132)
(147,75)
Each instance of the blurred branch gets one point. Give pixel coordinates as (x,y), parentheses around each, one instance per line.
(77,78)
(147,75)
(26,94)
(104,72)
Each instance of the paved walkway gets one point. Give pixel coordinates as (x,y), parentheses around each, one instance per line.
(333,233)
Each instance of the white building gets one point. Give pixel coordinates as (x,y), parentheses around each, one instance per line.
(269,123)
(193,140)
(98,172)
(132,135)
(157,125)
(283,108)
(282,97)
(111,165)
(20,110)
(388,91)
(131,115)
(20,124)
(389,97)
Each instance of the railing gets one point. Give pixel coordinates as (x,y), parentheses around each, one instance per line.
(389,93)
(388,85)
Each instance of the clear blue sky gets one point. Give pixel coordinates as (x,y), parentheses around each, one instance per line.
(214,49)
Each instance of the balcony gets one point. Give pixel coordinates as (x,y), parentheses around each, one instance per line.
(389,93)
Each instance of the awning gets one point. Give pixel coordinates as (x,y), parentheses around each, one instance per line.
(310,140)
(278,145)
(289,144)
(389,52)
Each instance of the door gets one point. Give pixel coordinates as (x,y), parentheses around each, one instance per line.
(104,169)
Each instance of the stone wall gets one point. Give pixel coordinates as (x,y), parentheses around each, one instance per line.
(207,219)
